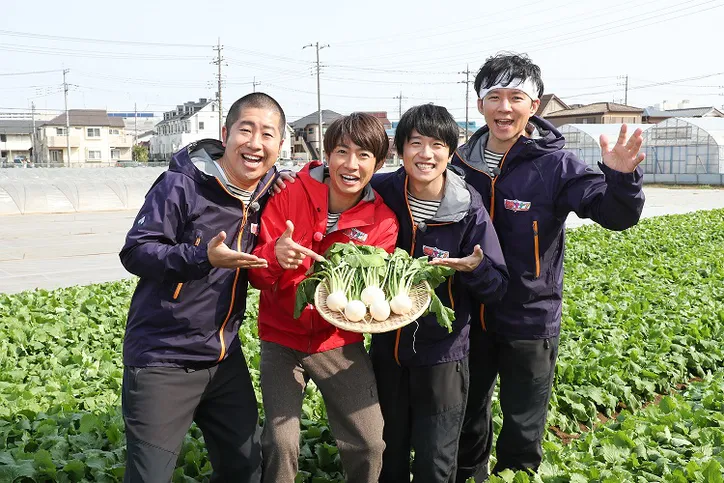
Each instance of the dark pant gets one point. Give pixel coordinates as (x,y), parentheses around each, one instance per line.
(526,369)
(423,409)
(160,403)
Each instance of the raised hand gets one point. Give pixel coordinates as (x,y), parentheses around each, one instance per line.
(221,256)
(291,254)
(625,156)
(465,264)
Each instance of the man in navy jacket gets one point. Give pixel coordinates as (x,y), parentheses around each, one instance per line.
(190,245)
(529,185)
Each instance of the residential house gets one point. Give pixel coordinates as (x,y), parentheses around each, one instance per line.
(653,115)
(550,103)
(15,141)
(94,138)
(189,122)
(305,143)
(597,113)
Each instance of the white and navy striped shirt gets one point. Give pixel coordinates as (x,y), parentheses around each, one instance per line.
(332,219)
(493,160)
(243,194)
(422,209)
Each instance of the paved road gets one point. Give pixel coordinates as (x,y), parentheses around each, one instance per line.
(49,251)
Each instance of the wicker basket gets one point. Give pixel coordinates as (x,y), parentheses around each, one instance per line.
(420,295)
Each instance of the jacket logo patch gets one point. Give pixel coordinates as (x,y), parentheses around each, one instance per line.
(142,220)
(355,234)
(254,229)
(435,252)
(517,205)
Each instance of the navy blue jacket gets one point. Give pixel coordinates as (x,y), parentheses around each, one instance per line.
(461,222)
(184,312)
(538,185)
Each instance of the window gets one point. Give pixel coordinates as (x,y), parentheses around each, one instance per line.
(60,131)
(94,156)
(115,154)
(56,155)
(115,132)
(201,125)
(3,138)
(93,132)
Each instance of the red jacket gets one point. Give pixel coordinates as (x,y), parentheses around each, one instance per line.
(304,202)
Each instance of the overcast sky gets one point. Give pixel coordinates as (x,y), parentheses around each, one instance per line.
(157,54)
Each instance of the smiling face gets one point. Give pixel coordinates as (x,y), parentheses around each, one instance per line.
(506,113)
(425,159)
(350,169)
(252,146)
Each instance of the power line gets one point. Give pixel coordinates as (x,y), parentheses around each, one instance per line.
(100,41)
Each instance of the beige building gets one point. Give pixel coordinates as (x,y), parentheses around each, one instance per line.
(15,142)
(95,140)
(550,103)
(597,113)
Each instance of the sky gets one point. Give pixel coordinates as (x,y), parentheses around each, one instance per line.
(156,54)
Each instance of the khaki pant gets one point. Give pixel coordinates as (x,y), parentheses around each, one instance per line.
(346,380)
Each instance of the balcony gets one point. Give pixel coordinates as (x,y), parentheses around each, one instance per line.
(118,141)
(61,141)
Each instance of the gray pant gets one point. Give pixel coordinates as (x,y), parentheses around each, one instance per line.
(159,404)
(345,378)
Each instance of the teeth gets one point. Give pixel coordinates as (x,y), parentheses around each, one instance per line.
(349,178)
(248,157)
(425,166)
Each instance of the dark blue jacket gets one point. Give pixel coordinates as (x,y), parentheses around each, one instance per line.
(538,185)
(461,222)
(184,312)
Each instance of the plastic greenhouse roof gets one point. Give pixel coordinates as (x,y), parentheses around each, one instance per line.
(714,126)
(610,130)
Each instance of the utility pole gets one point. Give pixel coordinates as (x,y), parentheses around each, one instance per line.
(32,136)
(254,84)
(625,96)
(319,100)
(467,96)
(67,115)
(399,108)
(218,61)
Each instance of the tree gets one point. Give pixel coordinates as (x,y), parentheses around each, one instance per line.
(140,153)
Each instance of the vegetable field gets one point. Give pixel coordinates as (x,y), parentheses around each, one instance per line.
(639,392)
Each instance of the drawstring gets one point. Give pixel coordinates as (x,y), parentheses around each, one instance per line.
(417,326)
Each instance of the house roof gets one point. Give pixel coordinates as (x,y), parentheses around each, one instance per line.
(86,117)
(16,126)
(595,108)
(687,112)
(327,117)
(547,98)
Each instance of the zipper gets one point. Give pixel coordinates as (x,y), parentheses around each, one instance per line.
(536,248)
(412,251)
(181,284)
(244,210)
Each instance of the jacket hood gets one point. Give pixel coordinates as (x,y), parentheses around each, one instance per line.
(544,139)
(456,199)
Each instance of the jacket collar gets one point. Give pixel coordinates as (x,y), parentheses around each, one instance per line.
(319,172)
(456,198)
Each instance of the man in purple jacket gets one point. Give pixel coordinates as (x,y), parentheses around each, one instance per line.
(190,245)
(529,185)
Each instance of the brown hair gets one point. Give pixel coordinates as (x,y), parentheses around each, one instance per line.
(363,129)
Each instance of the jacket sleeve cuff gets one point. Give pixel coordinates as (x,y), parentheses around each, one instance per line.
(273,270)
(203,265)
(617,177)
(469,278)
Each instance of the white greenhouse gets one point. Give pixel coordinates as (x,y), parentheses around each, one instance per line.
(685,150)
(584,139)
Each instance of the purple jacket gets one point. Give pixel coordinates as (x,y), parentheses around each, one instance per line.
(184,312)
(538,185)
(461,222)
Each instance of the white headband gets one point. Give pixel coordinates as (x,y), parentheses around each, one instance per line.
(523,85)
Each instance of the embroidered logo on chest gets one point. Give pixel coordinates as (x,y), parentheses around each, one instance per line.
(254,229)
(435,252)
(517,205)
(355,234)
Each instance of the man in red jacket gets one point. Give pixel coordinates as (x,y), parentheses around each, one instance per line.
(326,204)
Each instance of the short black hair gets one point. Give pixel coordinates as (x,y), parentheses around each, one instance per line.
(257,100)
(504,67)
(363,129)
(429,120)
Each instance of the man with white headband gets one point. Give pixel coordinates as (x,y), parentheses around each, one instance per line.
(530,185)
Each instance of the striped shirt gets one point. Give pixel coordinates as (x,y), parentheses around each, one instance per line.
(243,194)
(332,219)
(493,160)
(422,209)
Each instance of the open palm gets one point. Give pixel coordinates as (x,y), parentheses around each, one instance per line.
(625,156)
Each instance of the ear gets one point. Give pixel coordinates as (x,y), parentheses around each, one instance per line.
(534,106)
(224,133)
(480,106)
